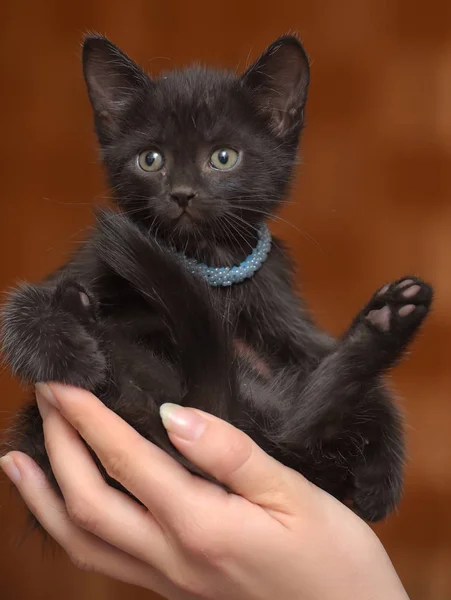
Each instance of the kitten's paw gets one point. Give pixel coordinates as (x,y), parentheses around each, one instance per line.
(399,308)
(51,335)
(381,331)
(373,498)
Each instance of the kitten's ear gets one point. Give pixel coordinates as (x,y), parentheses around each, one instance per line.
(113,81)
(279,82)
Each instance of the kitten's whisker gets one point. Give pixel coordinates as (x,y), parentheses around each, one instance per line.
(274,217)
(64,203)
(236,229)
(248,225)
(228,229)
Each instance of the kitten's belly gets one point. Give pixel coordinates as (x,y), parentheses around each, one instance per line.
(250,355)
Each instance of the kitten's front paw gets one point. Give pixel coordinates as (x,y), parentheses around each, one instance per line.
(50,335)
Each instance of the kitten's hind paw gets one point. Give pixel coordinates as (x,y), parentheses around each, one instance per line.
(399,308)
(382,330)
(374,499)
(50,334)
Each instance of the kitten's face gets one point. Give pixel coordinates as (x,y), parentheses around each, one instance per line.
(198,152)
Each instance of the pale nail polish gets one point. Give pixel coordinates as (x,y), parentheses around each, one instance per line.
(45,395)
(181,421)
(10,469)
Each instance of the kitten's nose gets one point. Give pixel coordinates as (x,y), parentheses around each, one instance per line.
(183,195)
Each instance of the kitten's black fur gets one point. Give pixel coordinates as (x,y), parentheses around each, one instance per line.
(124,319)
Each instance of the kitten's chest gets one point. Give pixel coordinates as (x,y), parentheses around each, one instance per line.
(261,313)
(246,317)
(251,356)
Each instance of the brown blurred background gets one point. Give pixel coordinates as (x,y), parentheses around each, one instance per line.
(372,204)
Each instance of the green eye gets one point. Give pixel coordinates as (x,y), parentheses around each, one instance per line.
(150,160)
(224,159)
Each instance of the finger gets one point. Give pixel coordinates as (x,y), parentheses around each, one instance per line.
(90,502)
(84,549)
(145,470)
(231,457)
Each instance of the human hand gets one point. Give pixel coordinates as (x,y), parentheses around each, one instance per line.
(276,535)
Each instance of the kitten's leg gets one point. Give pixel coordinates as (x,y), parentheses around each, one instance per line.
(344,397)
(344,435)
(51,333)
(378,468)
(376,340)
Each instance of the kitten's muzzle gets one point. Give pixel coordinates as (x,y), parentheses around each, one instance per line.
(183,196)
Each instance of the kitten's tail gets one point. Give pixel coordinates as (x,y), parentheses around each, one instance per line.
(202,341)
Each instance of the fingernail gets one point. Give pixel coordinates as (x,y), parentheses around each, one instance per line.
(10,469)
(45,398)
(183,422)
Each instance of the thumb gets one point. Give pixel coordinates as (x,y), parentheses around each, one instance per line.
(231,457)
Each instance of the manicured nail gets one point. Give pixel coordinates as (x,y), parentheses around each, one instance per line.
(10,469)
(45,397)
(181,421)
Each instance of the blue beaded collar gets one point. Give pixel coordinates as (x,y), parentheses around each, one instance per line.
(226,276)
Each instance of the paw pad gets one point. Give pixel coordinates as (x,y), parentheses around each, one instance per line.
(403,284)
(411,291)
(85,299)
(402,304)
(380,318)
(73,298)
(406,310)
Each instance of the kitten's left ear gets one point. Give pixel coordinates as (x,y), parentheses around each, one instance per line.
(279,82)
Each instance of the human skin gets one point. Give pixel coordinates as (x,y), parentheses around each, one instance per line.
(274,534)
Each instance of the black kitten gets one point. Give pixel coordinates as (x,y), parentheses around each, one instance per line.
(196,159)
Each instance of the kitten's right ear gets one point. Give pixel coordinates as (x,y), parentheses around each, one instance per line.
(113,80)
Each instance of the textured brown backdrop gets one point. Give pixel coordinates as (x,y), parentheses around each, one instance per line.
(372,204)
